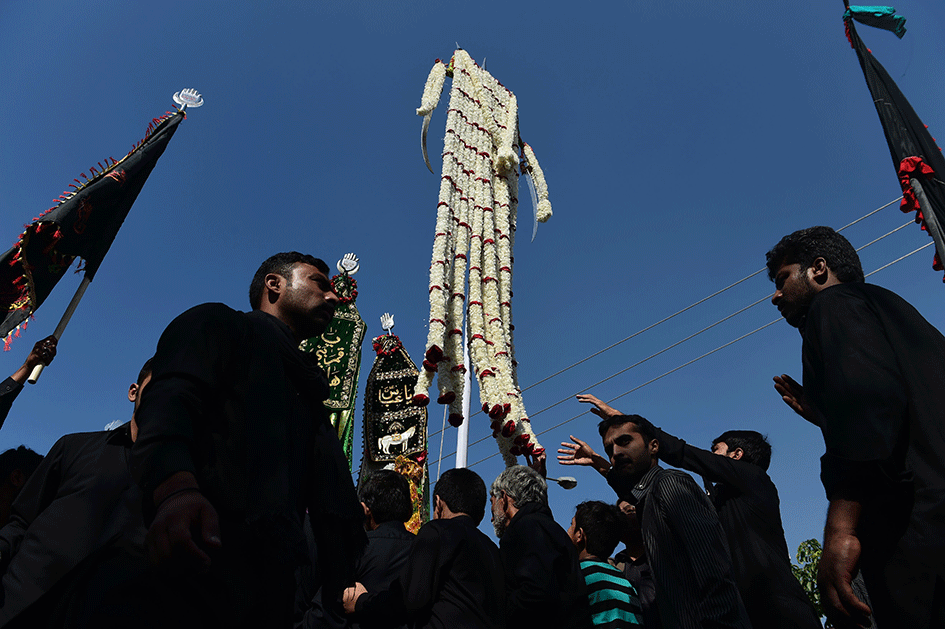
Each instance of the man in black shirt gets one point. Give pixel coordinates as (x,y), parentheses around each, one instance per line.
(385,496)
(873,374)
(453,578)
(234,445)
(79,504)
(682,536)
(546,587)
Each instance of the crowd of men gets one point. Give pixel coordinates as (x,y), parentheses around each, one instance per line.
(226,501)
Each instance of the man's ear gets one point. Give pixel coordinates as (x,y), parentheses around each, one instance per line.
(654,447)
(133,392)
(737,454)
(275,284)
(437,507)
(819,272)
(579,538)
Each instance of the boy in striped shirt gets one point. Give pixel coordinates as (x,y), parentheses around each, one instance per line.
(595,531)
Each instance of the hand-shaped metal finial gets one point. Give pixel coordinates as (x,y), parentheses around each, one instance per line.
(348,264)
(188,98)
(387,322)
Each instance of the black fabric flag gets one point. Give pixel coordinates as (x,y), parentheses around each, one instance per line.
(83,224)
(919,162)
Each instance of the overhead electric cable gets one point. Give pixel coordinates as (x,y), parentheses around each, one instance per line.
(709,353)
(687,308)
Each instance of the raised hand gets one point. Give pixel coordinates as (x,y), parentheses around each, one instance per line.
(577,452)
(601,409)
(793,395)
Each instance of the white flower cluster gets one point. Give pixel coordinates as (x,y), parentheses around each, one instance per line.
(475,231)
(541,187)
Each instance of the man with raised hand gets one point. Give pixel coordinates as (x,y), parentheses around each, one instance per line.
(873,374)
(749,510)
(43,353)
(682,536)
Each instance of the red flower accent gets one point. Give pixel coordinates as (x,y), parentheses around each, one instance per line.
(429,366)
(434,354)
(508,428)
(421,399)
(420,458)
(515,450)
(446,398)
(455,420)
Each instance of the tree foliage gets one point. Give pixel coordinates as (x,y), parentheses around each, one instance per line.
(808,558)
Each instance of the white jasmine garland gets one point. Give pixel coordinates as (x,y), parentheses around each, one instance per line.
(432,89)
(541,188)
(476,215)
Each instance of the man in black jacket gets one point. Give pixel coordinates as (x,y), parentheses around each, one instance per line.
(546,587)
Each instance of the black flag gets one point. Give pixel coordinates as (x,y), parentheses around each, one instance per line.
(919,162)
(83,224)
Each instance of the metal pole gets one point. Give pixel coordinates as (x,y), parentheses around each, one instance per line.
(462,435)
(34,376)
(931,221)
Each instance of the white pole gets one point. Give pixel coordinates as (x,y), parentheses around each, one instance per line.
(462,435)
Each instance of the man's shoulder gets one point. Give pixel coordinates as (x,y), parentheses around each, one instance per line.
(213,311)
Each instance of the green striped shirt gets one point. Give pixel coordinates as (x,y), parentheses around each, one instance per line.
(614,602)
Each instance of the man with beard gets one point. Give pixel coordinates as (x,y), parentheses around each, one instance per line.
(682,536)
(234,445)
(873,374)
(545,584)
(748,507)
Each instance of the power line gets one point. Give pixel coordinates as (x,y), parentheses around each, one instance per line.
(675,369)
(906,224)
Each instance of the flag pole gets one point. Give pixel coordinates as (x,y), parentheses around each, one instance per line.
(67,315)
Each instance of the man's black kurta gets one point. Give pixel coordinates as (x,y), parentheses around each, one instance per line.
(546,587)
(686,549)
(233,401)
(874,375)
(80,500)
(750,513)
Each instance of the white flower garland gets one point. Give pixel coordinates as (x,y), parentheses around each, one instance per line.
(475,233)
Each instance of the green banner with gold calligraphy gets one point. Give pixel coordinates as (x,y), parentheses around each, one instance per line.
(338,350)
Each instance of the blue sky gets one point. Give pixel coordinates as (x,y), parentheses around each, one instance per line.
(679,140)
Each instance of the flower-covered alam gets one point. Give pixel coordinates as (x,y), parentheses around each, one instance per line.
(475,230)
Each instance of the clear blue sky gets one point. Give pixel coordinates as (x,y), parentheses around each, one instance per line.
(680,141)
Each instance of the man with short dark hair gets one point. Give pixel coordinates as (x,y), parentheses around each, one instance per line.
(683,538)
(453,578)
(385,496)
(79,505)
(595,530)
(546,588)
(873,374)
(748,507)
(234,445)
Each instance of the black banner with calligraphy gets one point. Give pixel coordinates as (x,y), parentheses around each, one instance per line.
(395,430)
